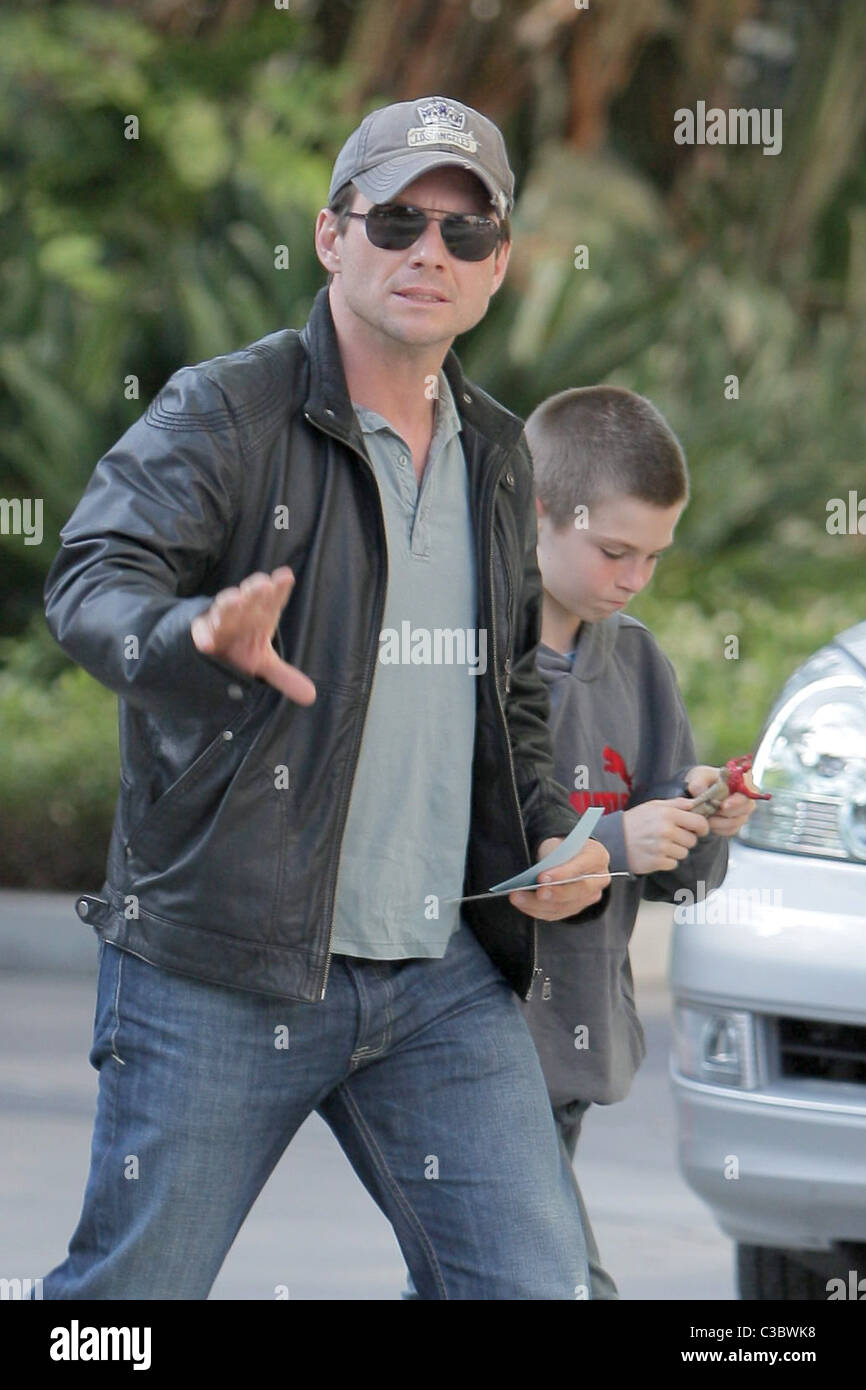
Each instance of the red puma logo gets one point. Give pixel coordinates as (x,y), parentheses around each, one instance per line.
(610,801)
(615,763)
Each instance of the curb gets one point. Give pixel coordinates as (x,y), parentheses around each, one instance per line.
(42,933)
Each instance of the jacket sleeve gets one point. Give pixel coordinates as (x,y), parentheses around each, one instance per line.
(544,802)
(708,861)
(156,514)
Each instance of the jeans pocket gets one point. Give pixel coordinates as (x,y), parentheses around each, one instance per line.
(106,1023)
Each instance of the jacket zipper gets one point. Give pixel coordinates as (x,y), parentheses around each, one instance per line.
(536,969)
(368,677)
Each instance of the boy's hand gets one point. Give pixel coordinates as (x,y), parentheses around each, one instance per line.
(734,810)
(550,904)
(659,834)
(238,628)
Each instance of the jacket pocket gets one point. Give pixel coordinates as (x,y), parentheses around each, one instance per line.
(216,855)
(189,796)
(178,789)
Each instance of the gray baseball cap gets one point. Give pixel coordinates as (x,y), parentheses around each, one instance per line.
(396,144)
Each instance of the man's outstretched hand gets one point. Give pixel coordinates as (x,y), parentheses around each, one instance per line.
(238,628)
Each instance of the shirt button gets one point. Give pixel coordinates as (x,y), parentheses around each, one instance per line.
(403,460)
(235,692)
(227,734)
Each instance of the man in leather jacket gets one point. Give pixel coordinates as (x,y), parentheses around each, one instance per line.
(310,779)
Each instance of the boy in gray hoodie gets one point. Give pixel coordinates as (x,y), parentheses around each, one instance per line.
(611,482)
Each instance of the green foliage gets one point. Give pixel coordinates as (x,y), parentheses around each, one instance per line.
(694,608)
(58,780)
(666,322)
(753,557)
(131,257)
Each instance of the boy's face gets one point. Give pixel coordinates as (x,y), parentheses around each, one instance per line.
(591,572)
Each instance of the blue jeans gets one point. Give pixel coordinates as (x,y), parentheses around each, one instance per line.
(568,1122)
(569,1119)
(424,1070)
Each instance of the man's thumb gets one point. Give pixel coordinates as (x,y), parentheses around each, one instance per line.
(287,679)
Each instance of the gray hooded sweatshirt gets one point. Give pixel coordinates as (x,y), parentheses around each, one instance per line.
(620,736)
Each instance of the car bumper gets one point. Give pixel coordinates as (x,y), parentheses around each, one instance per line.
(775,1170)
(782,1163)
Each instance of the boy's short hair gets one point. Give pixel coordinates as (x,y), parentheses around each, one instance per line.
(592,441)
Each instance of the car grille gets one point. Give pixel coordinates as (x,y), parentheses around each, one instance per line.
(823,1051)
(798,824)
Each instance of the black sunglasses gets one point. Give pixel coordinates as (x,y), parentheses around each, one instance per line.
(394,226)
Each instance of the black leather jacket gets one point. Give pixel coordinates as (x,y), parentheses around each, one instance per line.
(252,460)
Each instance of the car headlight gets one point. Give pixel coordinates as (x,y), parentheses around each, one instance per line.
(812,759)
(715,1045)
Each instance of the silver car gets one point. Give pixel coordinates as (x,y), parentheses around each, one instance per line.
(768,976)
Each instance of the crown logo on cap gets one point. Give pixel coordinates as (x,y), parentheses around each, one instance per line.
(441,112)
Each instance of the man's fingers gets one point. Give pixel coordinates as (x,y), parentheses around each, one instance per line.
(556,892)
(227,596)
(592,859)
(287,679)
(265,595)
(546,903)
(550,910)
(277,584)
(202,635)
(244,609)
(212,623)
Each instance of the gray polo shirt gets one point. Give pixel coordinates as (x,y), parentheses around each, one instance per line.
(408,821)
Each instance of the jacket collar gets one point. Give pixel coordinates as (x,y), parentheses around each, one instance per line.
(328,403)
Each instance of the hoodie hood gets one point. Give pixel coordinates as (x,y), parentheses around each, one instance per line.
(589,659)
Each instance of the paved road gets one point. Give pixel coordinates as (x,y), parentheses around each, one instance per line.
(314,1229)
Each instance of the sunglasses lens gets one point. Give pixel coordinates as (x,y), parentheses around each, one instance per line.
(467,240)
(394,228)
